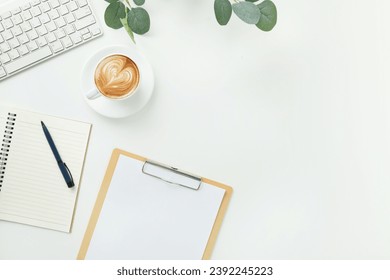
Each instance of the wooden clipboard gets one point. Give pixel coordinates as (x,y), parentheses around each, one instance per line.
(104,189)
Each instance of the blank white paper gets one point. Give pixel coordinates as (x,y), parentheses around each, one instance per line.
(146,218)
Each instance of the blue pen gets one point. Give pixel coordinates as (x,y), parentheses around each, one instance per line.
(62,165)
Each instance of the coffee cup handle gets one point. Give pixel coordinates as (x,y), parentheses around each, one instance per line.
(93,94)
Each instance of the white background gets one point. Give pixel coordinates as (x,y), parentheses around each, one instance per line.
(295,120)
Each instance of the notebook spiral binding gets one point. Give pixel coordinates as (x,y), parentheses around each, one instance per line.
(5,145)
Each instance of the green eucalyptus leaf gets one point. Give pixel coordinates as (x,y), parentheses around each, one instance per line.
(247,11)
(246,0)
(111,1)
(114,12)
(223,11)
(139,2)
(268,17)
(138,20)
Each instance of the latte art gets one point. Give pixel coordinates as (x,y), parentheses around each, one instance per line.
(117,76)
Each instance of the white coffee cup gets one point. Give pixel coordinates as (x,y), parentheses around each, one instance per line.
(116,77)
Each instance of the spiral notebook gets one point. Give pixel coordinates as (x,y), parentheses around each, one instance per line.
(146,210)
(32,188)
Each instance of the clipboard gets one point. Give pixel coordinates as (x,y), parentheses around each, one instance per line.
(165,173)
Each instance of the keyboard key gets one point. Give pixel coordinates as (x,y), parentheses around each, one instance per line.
(35,22)
(28,60)
(26,6)
(26,15)
(54,3)
(23,39)
(7,35)
(76,38)
(56,46)
(26,26)
(4,58)
(53,14)
(45,7)
(16,31)
(2,72)
(72,6)
(16,11)
(35,2)
(64,2)
(60,22)
(6,15)
(32,46)
(60,34)
(87,36)
(84,22)
(17,20)
(14,43)
(23,50)
(44,18)
(84,31)
(4,47)
(63,10)
(8,23)
(1,39)
(51,38)
(70,29)
(67,42)
(36,11)
(82,3)
(41,30)
(50,26)
(70,18)
(1,27)
(32,34)
(82,12)
(13,54)
(41,41)
(95,30)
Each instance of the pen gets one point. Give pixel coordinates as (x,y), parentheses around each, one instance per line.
(62,165)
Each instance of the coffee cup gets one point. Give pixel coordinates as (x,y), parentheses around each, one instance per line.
(116,77)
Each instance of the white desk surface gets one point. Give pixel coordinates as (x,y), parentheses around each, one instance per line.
(296,120)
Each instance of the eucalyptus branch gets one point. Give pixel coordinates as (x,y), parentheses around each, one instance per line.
(263,15)
(135,19)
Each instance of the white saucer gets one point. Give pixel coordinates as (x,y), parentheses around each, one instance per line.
(119,108)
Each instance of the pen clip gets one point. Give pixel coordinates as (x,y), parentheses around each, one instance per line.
(71,182)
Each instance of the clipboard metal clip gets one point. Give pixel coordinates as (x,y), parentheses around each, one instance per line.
(171,175)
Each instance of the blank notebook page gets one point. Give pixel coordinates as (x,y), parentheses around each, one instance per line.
(146,218)
(34,191)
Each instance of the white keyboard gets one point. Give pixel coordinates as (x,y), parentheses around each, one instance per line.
(42,29)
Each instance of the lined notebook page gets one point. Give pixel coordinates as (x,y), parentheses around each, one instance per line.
(146,218)
(34,191)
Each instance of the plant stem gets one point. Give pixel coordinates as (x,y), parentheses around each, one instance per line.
(127,27)
(126,3)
